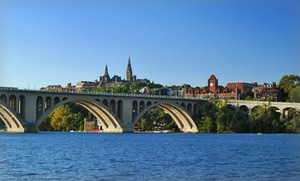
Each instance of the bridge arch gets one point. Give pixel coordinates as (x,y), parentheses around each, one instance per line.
(13,121)
(120,110)
(13,102)
(21,106)
(196,109)
(244,108)
(3,98)
(287,113)
(112,105)
(231,107)
(189,107)
(182,118)
(48,103)
(56,100)
(109,121)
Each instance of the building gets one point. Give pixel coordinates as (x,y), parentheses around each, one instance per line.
(267,91)
(117,81)
(104,81)
(88,85)
(233,90)
(56,88)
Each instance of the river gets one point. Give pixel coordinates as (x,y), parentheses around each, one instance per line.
(92,156)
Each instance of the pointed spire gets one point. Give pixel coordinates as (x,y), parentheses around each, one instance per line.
(129,71)
(129,63)
(106,70)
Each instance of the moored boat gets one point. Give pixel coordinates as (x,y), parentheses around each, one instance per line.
(95,131)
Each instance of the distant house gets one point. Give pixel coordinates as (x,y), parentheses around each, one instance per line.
(57,88)
(267,91)
(86,85)
(145,90)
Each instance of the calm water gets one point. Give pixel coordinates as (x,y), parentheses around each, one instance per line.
(86,156)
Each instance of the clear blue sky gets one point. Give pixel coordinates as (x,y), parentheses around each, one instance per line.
(169,42)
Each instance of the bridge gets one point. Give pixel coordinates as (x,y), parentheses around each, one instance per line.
(24,110)
(281,107)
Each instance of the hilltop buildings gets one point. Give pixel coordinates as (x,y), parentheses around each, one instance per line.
(116,81)
(104,81)
(234,90)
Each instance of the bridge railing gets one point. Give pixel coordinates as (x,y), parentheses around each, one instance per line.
(124,94)
(100,93)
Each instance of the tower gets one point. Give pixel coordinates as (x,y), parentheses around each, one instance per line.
(129,71)
(212,84)
(105,78)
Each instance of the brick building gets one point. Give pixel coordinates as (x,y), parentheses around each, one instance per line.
(233,90)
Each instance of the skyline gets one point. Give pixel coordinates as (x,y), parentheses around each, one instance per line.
(168,42)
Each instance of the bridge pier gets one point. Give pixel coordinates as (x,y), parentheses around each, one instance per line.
(128,128)
(30,129)
(23,129)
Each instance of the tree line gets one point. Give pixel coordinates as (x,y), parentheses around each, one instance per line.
(217,117)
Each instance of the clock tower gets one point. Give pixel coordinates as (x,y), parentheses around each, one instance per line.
(212,84)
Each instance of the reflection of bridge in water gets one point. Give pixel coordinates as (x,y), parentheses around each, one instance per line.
(24,110)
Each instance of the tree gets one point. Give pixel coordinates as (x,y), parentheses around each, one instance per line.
(156,119)
(266,119)
(288,82)
(293,125)
(207,125)
(45,125)
(206,121)
(84,90)
(249,95)
(294,94)
(64,118)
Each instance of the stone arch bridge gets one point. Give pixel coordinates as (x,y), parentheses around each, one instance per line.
(24,110)
(281,107)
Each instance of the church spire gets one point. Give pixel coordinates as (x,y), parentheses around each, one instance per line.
(106,77)
(129,71)
(106,70)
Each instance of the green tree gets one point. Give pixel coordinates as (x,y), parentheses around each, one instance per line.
(294,94)
(45,125)
(206,123)
(156,119)
(249,95)
(84,90)
(288,82)
(266,119)
(64,118)
(293,123)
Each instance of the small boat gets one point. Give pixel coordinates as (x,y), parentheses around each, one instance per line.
(95,131)
(259,133)
(156,131)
